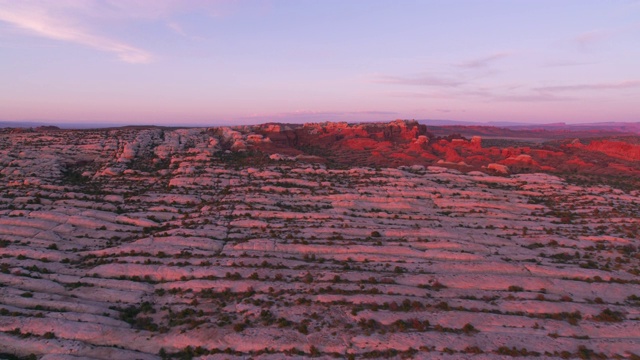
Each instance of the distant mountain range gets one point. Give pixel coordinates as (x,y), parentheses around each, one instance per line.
(608,127)
(62,125)
(633,127)
(20,124)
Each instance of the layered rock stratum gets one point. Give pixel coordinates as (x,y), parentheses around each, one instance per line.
(327,240)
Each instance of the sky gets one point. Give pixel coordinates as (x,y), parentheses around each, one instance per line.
(218,62)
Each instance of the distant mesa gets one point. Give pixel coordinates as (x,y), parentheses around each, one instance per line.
(46,128)
(615,148)
(407,142)
(385,144)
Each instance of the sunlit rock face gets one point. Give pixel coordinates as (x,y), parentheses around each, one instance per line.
(617,149)
(332,240)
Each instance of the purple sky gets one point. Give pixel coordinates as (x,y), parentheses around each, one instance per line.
(196,62)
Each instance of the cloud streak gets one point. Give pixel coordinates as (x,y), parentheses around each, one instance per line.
(177,28)
(595,86)
(418,80)
(311,115)
(52,23)
(490,94)
(531,98)
(591,37)
(555,64)
(483,61)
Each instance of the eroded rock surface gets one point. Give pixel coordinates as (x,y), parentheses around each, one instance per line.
(149,243)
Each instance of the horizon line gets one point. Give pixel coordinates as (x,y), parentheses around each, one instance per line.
(198,124)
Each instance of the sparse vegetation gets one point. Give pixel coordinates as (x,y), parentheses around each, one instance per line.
(342,261)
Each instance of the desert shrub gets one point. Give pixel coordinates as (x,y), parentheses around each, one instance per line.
(130,315)
(570,317)
(307,278)
(472,350)
(303,329)
(515,352)
(586,353)
(608,315)
(469,329)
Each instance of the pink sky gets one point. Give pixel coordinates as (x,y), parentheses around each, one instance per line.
(173,62)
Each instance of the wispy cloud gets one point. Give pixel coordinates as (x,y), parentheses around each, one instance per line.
(157,9)
(594,86)
(51,21)
(418,80)
(312,115)
(177,28)
(531,98)
(421,95)
(566,64)
(488,94)
(589,38)
(507,94)
(483,61)
(557,93)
